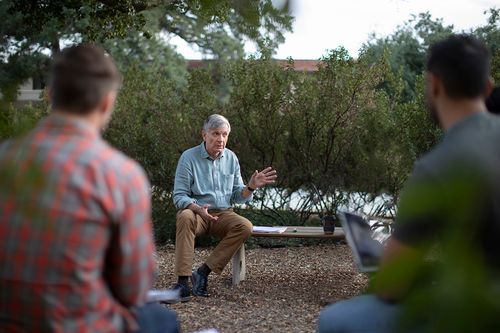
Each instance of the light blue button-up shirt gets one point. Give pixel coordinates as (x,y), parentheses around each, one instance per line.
(202,180)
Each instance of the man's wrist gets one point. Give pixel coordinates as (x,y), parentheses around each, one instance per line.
(251,189)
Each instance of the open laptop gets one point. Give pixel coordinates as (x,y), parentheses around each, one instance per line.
(367,251)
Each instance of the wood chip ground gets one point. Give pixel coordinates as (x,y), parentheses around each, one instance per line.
(284,291)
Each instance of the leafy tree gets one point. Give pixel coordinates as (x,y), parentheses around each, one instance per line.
(311,128)
(490,33)
(152,55)
(406,51)
(407,47)
(349,130)
(32,29)
(218,27)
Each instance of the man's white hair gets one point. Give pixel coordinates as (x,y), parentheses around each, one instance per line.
(216,121)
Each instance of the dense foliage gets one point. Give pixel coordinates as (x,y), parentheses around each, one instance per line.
(30,31)
(348,133)
(345,134)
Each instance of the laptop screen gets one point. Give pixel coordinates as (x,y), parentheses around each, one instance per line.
(367,251)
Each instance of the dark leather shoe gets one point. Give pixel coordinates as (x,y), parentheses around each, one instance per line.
(184,293)
(199,283)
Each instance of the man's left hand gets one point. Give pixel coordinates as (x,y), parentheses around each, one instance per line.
(264,177)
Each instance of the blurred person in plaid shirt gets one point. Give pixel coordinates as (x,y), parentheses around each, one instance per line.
(76,247)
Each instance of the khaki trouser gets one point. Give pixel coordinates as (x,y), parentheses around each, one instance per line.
(232,228)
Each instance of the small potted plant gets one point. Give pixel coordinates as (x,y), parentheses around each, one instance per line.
(327,213)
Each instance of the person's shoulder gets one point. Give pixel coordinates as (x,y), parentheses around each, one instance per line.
(192,152)
(195,149)
(441,156)
(122,166)
(471,142)
(494,119)
(230,154)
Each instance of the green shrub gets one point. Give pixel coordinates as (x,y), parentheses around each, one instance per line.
(15,121)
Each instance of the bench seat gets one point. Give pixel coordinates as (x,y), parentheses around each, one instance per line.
(239,270)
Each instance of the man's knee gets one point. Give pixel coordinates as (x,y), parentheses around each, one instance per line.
(244,227)
(154,317)
(345,316)
(186,218)
(327,320)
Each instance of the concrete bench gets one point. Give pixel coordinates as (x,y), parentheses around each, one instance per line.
(238,260)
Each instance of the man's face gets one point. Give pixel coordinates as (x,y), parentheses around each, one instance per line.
(215,140)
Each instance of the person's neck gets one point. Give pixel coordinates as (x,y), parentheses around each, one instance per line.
(93,119)
(453,111)
(214,156)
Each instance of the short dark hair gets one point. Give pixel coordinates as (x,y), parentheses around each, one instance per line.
(462,62)
(81,76)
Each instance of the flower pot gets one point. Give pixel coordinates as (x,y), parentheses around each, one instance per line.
(328,222)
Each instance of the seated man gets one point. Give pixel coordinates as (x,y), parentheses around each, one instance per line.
(453,196)
(76,247)
(207,182)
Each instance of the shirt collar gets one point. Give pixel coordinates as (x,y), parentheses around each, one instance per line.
(466,120)
(204,152)
(71,125)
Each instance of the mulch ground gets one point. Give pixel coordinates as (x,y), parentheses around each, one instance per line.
(284,290)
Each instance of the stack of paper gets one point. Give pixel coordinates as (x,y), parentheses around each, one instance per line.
(274,230)
(165,295)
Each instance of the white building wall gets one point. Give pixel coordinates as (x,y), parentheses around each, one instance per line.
(26,92)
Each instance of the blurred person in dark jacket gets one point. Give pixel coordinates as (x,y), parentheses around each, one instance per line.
(452,199)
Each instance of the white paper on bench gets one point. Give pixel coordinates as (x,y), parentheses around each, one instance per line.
(274,230)
(157,295)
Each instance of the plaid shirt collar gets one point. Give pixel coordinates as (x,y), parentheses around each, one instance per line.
(71,125)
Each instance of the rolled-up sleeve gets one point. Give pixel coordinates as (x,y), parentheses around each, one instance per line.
(182,184)
(238,185)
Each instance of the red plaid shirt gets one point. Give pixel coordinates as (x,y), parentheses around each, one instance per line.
(76,248)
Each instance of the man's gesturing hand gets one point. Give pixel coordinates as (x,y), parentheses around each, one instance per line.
(203,212)
(265,177)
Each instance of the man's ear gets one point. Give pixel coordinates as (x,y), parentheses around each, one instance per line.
(107,103)
(203,135)
(489,87)
(435,84)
